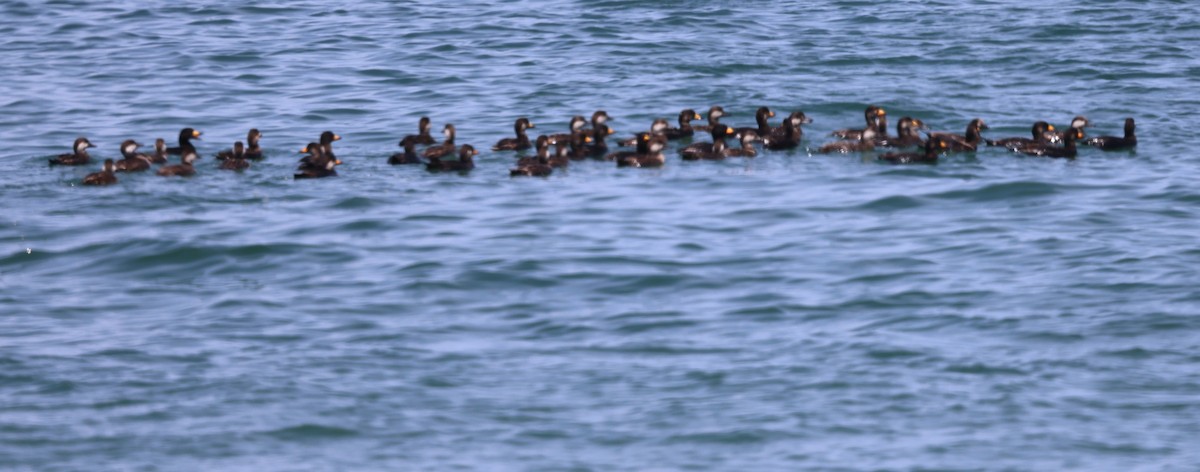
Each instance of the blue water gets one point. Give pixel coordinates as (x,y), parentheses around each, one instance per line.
(789,312)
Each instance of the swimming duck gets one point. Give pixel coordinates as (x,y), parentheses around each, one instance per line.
(465,161)
(237,160)
(714,119)
(762,117)
(133,161)
(542,153)
(747,150)
(1067,151)
(789,135)
(317,164)
(409,156)
(185,169)
(1079,122)
(104,177)
(933,147)
(77,158)
(964,143)
(599,147)
(537,166)
(658,127)
(444,149)
(326,144)
(685,129)
(866,142)
(186,136)
(580,142)
(577,123)
(713,150)
(519,143)
(422,137)
(160,152)
(653,158)
(1113,143)
(908,134)
(1040,133)
(876,118)
(643,147)
(252,152)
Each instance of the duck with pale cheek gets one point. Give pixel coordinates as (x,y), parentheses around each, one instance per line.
(519,143)
(133,161)
(576,124)
(652,158)
(658,127)
(789,135)
(1079,122)
(78,157)
(876,117)
(185,169)
(442,150)
(422,137)
(714,119)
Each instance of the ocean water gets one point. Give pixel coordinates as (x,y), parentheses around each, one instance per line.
(795,311)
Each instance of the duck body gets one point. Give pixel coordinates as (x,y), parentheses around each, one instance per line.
(521,142)
(866,142)
(317,164)
(465,161)
(77,158)
(160,152)
(967,142)
(1116,143)
(446,148)
(104,177)
(656,128)
(747,150)
(423,137)
(908,134)
(1079,123)
(685,129)
(876,117)
(933,147)
(714,119)
(789,135)
(762,117)
(576,124)
(1039,133)
(186,136)
(653,157)
(409,156)
(184,169)
(133,161)
(713,150)
(1067,151)
(251,150)
(236,161)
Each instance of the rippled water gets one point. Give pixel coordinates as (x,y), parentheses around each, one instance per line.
(789,312)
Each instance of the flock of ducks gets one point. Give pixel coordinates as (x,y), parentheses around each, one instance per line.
(584,142)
